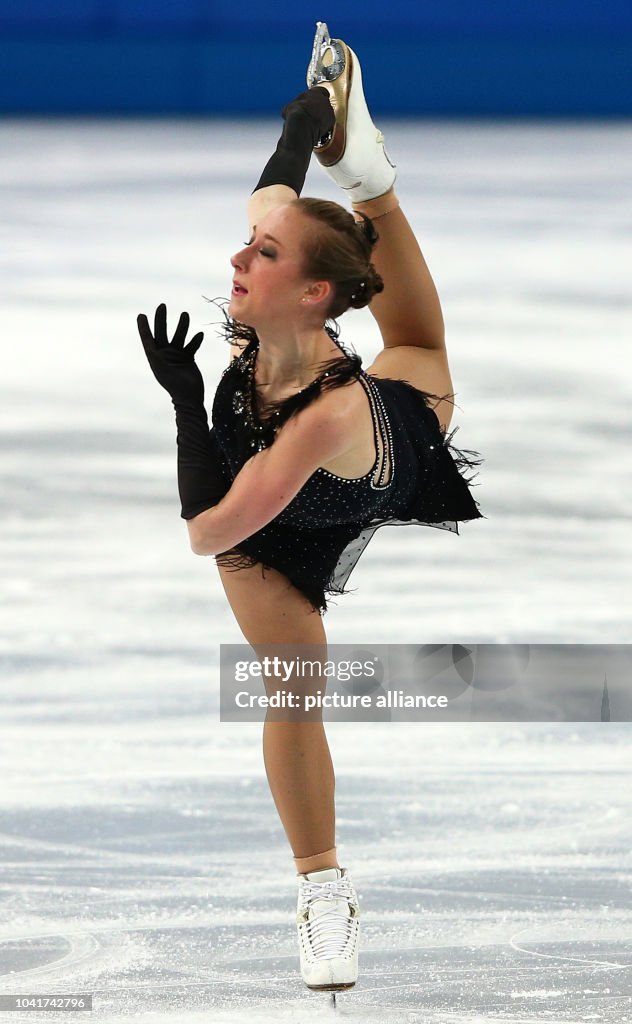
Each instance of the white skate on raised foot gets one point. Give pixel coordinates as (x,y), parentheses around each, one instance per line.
(328,924)
(353,154)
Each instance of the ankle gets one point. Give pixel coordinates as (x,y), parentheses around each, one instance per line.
(379,206)
(317,861)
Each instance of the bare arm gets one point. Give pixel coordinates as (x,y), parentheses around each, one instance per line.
(269,480)
(267,199)
(408,311)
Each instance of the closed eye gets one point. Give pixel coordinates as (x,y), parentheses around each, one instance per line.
(263,252)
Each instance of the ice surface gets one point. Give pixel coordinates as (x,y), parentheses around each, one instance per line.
(142,859)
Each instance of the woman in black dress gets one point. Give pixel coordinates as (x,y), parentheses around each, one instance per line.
(309,453)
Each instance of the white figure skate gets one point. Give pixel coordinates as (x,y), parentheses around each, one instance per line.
(328,923)
(353,154)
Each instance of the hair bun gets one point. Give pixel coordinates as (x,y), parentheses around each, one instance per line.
(367,228)
(358,293)
(363,292)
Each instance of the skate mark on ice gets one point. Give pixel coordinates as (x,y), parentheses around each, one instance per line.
(83,947)
(605,964)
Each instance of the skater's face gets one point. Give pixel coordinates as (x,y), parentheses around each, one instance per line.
(270,288)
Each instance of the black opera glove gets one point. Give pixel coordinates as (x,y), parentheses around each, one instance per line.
(173,363)
(308,118)
(203,479)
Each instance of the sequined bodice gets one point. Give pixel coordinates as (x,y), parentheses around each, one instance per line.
(317,539)
(262,431)
(338,499)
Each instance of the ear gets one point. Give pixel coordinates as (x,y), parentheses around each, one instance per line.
(318,292)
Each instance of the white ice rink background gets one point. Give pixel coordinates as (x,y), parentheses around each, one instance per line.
(141,856)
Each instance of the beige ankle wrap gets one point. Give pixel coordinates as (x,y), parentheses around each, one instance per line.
(379,206)
(327,859)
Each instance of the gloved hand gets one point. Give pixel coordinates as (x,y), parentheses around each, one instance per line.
(172,363)
(315,105)
(308,117)
(203,474)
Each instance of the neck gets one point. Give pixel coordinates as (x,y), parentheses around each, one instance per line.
(291,357)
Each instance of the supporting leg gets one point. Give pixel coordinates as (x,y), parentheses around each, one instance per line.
(301,777)
(270,612)
(318,862)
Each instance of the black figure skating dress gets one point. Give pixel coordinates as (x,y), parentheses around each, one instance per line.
(318,538)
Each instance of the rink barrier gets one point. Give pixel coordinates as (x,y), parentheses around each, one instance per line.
(546,70)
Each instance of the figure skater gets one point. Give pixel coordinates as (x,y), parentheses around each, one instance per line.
(309,453)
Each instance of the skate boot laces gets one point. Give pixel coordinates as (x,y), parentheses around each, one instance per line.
(329,930)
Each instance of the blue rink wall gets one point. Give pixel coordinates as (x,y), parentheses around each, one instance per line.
(436,57)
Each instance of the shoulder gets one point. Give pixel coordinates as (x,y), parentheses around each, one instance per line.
(330,426)
(427,370)
(333,409)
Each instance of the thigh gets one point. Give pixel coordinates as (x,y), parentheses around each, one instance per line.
(426,369)
(270,609)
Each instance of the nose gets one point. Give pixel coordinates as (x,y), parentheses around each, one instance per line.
(238,261)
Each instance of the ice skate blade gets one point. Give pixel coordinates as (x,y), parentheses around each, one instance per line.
(338,74)
(341,987)
(318,71)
